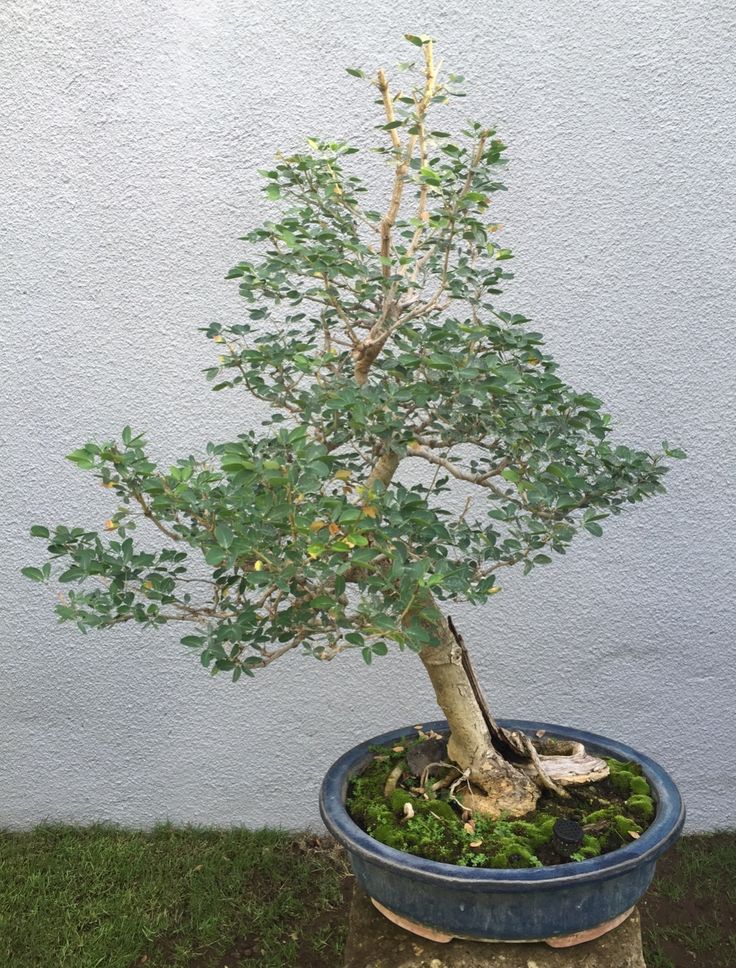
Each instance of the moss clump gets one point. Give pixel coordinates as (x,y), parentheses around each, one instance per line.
(537,833)
(641,806)
(616,827)
(627,778)
(591,848)
(612,811)
(639,786)
(625,826)
(514,856)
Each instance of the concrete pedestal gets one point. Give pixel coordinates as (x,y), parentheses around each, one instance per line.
(374,942)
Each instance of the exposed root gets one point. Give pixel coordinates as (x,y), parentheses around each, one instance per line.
(568,763)
(392,780)
(440,784)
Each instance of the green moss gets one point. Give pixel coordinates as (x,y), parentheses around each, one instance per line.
(625,826)
(598,816)
(627,778)
(536,833)
(623,766)
(435,829)
(641,806)
(621,781)
(390,835)
(515,856)
(439,808)
(398,799)
(640,786)
(591,848)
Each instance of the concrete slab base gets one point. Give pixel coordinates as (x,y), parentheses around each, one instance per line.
(374,942)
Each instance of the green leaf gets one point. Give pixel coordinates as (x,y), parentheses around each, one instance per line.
(35,574)
(379,648)
(355,71)
(82,458)
(71,574)
(273,192)
(224,535)
(367,654)
(214,557)
(38,531)
(391,125)
(192,641)
(359,540)
(594,528)
(418,41)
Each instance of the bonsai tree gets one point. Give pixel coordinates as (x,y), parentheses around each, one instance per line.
(377,340)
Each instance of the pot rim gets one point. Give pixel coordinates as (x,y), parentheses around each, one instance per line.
(655,840)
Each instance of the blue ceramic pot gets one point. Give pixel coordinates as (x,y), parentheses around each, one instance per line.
(505,905)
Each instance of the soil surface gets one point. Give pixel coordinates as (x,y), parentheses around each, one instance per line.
(406,798)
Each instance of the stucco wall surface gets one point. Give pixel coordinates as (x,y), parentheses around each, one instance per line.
(129,141)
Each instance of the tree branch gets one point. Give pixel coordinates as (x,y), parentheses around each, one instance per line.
(482,480)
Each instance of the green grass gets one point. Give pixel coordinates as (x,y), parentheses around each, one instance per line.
(102,897)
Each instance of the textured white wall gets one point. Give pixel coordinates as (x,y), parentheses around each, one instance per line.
(130,135)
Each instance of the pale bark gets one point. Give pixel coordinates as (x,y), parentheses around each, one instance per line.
(384,470)
(496,785)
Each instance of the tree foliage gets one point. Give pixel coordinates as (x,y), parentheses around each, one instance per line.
(379,344)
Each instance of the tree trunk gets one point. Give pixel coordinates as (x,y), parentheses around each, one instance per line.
(497,785)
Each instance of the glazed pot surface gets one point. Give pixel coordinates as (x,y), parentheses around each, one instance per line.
(505,905)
